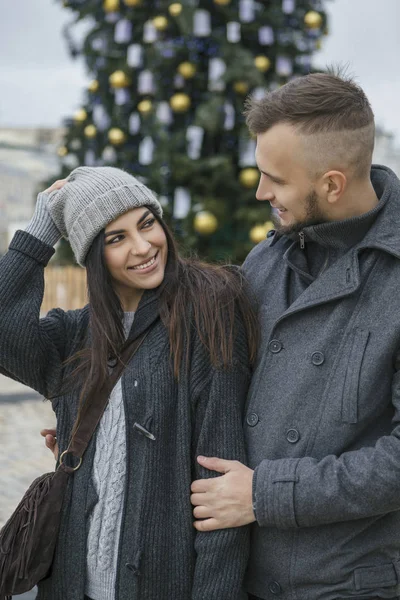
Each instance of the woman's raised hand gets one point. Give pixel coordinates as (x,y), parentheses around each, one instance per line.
(50,440)
(57,185)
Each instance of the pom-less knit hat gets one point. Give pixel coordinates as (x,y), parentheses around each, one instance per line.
(92,198)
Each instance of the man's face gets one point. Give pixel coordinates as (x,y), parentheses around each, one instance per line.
(285,180)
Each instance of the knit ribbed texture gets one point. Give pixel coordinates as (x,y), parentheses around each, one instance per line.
(108,476)
(42,225)
(161,556)
(92,198)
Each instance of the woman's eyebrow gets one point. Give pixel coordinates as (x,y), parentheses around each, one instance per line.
(116,231)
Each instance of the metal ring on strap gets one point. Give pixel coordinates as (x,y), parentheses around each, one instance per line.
(73,468)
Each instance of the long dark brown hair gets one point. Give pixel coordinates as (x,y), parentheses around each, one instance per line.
(216,295)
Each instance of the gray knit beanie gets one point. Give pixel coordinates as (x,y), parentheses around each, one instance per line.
(92,198)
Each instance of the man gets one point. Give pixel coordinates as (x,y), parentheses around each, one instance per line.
(323,420)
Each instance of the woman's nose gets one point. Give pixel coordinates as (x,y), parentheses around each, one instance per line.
(140,247)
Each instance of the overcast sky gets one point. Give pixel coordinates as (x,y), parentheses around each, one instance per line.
(40,84)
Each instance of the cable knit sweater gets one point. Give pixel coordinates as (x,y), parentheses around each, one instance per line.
(159,556)
(108,479)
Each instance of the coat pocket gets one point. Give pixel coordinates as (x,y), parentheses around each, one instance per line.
(350,396)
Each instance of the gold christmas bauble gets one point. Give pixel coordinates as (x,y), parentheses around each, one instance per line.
(145,106)
(180,102)
(119,79)
(241,87)
(262,63)
(132,2)
(93,86)
(249,177)
(313,19)
(187,70)
(62,151)
(116,136)
(175,9)
(80,115)
(205,222)
(160,23)
(222,2)
(90,131)
(111,5)
(258,233)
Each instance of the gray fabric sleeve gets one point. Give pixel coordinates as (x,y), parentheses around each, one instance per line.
(42,225)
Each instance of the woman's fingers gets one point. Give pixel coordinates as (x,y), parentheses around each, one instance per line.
(57,185)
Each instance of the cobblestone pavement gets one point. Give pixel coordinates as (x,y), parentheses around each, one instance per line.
(23,456)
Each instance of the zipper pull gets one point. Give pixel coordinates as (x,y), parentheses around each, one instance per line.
(302,242)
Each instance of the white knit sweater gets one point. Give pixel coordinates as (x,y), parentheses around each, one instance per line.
(108,479)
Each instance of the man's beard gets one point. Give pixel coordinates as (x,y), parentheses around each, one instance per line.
(313,216)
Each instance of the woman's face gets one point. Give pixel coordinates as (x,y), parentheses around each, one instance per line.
(135,251)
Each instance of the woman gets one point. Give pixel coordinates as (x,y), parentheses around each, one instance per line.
(127,527)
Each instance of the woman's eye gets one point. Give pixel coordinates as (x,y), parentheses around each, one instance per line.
(148,223)
(116,239)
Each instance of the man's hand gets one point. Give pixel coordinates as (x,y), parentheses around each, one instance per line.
(224,501)
(50,440)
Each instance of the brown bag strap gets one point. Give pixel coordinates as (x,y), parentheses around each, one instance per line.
(91,414)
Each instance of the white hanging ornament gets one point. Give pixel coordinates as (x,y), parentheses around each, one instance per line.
(266,35)
(194,138)
(229,123)
(134,123)
(121,96)
(233,32)
(146,83)
(288,6)
(146,151)
(247,149)
(216,71)
(182,201)
(100,117)
(76,144)
(258,93)
(99,44)
(109,155)
(247,11)
(71,161)
(164,113)
(123,31)
(283,66)
(201,23)
(135,55)
(179,81)
(90,158)
(163,200)
(149,33)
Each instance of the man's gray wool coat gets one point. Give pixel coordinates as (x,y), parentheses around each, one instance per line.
(160,555)
(323,419)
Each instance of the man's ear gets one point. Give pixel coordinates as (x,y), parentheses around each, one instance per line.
(333,184)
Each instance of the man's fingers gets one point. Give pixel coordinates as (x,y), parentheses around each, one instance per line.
(50,441)
(202,512)
(216,464)
(208,525)
(45,432)
(200,486)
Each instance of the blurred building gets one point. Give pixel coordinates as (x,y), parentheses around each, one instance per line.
(28,158)
(386,151)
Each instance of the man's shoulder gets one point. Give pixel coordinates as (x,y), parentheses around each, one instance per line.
(262,252)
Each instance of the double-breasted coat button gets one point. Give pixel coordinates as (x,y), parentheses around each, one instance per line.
(252,419)
(275,346)
(275,588)
(317,358)
(292,435)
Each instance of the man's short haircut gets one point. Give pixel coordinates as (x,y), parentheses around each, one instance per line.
(329,104)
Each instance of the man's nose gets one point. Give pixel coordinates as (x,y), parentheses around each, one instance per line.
(264,193)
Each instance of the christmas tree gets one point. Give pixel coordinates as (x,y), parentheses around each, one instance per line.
(166,102)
